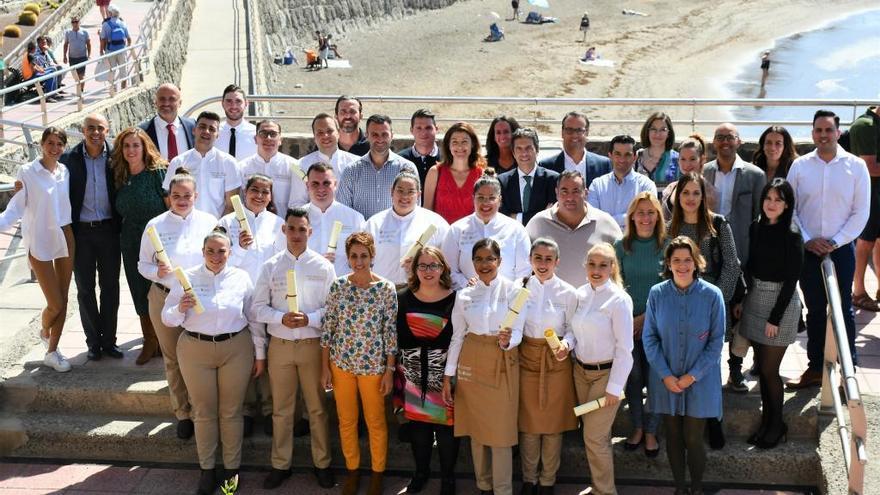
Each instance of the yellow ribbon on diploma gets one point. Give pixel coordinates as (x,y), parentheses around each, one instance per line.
(513,311)
(161,255)
(334,236)
(292,304)
(240,215)
(423,239)
(588,407)
(187,288)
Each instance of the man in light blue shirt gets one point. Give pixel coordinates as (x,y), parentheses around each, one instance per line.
(613,192)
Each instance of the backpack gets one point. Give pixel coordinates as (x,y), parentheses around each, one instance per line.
(118,33)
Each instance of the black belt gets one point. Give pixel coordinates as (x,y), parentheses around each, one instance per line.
(212,338)
(162,287)
(595,367)
(97,223)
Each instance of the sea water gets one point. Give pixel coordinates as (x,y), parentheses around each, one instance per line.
(839,60)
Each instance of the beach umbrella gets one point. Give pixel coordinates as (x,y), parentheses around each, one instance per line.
(492,15)
(540,3)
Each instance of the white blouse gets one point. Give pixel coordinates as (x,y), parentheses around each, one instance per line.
(226,297)
(481,309)
(182,239)
(314,275)
(602,328)
(322,227)
(509,234)
(43,205)
(268,240)
(288,189)
(550,305)
(395,234)
(216,173)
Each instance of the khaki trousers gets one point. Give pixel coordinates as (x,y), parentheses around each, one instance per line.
(258,398)
(590,385)
(295,366)
(493,468)
(168,337)
(217,375)
(54,280)
(546,448)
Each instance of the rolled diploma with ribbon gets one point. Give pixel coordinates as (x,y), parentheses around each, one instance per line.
(161,255)
(239,214)
(588,407)
(292,304)
(552,340)
(423,239)
(334,236)
(187,289)
(513,311)
(296,170)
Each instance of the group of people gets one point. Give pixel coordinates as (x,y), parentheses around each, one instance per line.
(457,290)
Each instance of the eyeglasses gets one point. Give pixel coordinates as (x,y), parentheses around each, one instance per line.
(726,137)
(268,134)
(432,267)
(574,130)
(74,21)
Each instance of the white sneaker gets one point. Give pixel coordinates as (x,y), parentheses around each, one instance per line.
(56,361)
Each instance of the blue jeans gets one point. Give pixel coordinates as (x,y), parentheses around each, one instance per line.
(814,298)
(638,379)
(50,84)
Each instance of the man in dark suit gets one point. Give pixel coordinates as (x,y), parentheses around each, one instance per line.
(170,133)
(574,154)
(96,226)
(529,188)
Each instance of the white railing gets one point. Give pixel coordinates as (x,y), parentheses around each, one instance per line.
(57,17)
(837,354)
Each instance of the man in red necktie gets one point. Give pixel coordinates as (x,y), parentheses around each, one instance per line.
(171,133)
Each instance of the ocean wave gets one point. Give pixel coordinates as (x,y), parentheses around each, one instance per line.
(851,55)
(828,86)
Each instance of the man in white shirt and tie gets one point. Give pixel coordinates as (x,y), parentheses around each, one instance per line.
(325,130)
(236,134)
(171,133)
(288,188)
(324,211)
(832,188)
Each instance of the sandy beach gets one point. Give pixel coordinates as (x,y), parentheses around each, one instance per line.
(679,50)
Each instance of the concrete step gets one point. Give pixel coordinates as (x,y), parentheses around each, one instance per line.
(152,439)
(135,391)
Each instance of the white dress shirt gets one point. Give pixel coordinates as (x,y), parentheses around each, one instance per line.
(162,135)
(613,196)
(725,182)
(216,174)
(268,240)
(226,297)
(43,205)
(602,328)
(322,228)
(550,305)
(182,239)
(509,234)
(394,235)
(833,198)
(570,164)
(314,276)
(288,189)
(481,309)
(245,139)
(340,160)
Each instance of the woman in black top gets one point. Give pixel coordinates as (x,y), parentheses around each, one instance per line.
(771,310)
(775,153)
(499,149)
(424,330)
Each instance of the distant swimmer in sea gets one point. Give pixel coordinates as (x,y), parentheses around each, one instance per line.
(765,67)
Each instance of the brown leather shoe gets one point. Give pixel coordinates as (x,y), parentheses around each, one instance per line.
(350,486)
(151,343)
(375,484)
(810,378)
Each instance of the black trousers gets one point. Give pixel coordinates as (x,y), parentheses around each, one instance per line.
(423,435)
(97,251)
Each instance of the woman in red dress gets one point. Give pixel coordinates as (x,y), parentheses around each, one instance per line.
(449,184)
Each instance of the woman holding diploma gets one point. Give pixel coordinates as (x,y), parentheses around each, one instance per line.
(641,261)
(171,240)
(546,391)
(487,328)
(216,352)
(359,341)
(683,336)
(602,345)
(424,330)
(138,172)
(400,227)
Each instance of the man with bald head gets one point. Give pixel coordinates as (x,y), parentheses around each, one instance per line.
(170,133)
(96,226)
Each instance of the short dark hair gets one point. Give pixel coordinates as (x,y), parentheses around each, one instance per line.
(571,173)
(266,122)
(324,115)
(54,131)
(298,212)
(621,139)
(525,132)
(422,113)
(489,243)
(580,115)
(347,98)
(378,118)
(319,167)
(365,239)
(826,113)
(208,115)
(233,88)
(683,242)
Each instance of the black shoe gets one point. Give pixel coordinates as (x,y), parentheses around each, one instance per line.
(753,439)
(275,478)
(769,443)
(113,352)
(716,433)
(301,428)
(94,355)
(185,429)
(736,382)
(268,428)
(417,483)
(325,477)
(228,474)
(528,488)
(248,428)
(545,490)
(447,487)
(207,482)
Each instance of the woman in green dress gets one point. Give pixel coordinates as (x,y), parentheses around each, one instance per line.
(138,171)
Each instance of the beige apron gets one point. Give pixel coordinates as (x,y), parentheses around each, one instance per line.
(546,390)
(487,392)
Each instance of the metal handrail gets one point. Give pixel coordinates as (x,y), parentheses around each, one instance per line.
(837,352)
(44,27)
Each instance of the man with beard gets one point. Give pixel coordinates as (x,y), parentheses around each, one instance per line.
(348,114)
(236,134)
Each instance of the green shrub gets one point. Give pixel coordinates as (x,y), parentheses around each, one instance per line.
(27,18)
(11,31)
(32,7)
